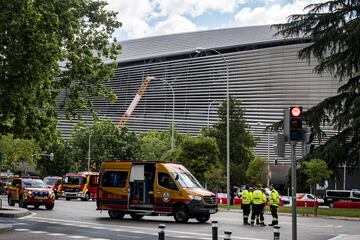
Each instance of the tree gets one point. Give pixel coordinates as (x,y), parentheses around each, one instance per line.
(156,145)
(332,29)
(317,172)
(199,155)
(242,141)
(256,171)
(107,142)
(62,163)
(16,151)
(52,49)
(215,178)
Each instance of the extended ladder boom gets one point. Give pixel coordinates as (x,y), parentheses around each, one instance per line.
(124,119)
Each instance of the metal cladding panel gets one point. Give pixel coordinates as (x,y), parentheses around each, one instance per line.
(266,80)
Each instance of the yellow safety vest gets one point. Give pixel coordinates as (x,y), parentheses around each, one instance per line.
(274,198)
(246,197)
(257,197)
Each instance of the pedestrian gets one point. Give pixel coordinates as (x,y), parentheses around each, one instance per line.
(274,204)
(257,201)
(246,204)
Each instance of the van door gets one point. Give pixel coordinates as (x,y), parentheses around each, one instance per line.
(113,189)
(137,187)
(166,192)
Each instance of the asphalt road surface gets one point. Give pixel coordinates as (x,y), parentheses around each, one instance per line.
(79,220)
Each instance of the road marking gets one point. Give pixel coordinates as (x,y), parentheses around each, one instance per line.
(127,236)
(345,237)
(22,229)
(56,234)
(76,236)
(38,232)
(99,239)
(111,227)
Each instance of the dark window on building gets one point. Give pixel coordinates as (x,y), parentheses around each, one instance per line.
(114,179)
(166,181)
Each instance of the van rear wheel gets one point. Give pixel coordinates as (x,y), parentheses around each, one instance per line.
(116,214)
(181,215)
(203,218)
(331,205)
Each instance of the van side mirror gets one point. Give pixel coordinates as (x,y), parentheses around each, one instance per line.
(177,177)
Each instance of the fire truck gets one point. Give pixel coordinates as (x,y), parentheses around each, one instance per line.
(83,185)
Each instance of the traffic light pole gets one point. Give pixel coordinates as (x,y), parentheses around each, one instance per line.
(293,189)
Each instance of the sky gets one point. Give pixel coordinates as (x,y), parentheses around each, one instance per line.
(145,18)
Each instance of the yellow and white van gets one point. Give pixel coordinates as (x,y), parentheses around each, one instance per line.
(153,188)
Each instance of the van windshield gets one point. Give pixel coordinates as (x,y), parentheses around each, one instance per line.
(186,180)
(73,180)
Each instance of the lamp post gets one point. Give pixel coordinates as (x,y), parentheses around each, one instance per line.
(173,111)
(208,115)
(268,153)
(88,163)
(89,148)
(198,50)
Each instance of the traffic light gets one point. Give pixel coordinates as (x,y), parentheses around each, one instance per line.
(293,118)
(307,145)
(279,147)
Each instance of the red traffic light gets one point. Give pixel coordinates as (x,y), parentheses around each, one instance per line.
(296,111)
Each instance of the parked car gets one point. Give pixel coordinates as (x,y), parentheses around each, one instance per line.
(333,196)
(28,191)
(307,200)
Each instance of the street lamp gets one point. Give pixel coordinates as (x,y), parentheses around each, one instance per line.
(268,153)
(208,115)
(173,111)
(199,50)
(89,148)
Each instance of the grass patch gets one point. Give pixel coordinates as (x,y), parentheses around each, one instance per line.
(309,211)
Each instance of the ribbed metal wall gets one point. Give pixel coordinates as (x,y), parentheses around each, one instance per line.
(266,80)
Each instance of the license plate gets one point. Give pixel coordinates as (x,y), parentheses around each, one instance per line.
(212,211)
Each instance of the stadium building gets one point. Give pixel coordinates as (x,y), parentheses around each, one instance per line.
(262,71)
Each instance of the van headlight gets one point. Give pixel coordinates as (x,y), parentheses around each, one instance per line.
(195,197)
(28,192)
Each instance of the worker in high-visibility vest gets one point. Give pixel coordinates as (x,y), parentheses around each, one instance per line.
(246,204)
(274,204)
(257,202)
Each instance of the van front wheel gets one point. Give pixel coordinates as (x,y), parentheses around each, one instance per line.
(181,215)
(116,214)
(203,218)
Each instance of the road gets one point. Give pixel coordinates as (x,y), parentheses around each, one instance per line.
(79,220)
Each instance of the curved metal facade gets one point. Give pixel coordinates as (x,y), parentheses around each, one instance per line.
(266,79)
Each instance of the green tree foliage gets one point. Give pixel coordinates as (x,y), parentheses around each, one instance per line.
(242,141)
(198,154)
(47,46)
(107,142)
(215,178)
(16,151)
(257,170)
(61,164)
(317,172)
(332,28)
(155,145)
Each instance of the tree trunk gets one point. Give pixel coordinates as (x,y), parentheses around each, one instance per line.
(315,203)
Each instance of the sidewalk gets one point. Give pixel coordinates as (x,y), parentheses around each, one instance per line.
(11,212)
(301,215)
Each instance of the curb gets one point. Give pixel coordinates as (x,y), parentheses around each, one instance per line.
(10,212)
(5,228)
(300,215)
